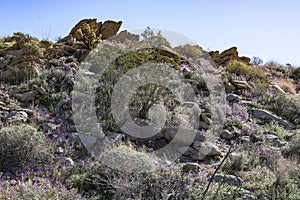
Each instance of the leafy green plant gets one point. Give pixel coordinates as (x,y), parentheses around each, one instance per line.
(241,69)
(276,129)
(33,48)
(190,51)
(19,145)
(293,149)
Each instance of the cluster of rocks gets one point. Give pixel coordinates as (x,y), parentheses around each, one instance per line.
(11,113)
(18,64)
(228,55)
(23,57)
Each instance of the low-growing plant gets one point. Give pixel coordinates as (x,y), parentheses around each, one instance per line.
(295,74)
(19,145)
(276,129)
(36,189)
(189,51)
(236,164)
(33,48)
(293,149)
(241,69)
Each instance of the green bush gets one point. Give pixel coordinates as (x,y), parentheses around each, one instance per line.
(190,51)
(19,145)
(295,74)
(241,69)
(276,129)
(293,149)
(33,48)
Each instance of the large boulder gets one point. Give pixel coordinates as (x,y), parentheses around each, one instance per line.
(20,69)
(227,56)
(268,116)
(109,28)
(90,32)
(125,35)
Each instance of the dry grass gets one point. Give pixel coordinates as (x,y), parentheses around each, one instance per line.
(286,84)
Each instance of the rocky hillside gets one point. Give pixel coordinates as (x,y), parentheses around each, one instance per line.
(231,129)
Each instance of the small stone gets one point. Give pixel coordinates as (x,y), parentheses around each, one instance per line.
(274,140)
(69,161)
(226,134)
(233,98)
(243,85)
(229,87)
(13,182)
(73,137)
(245,138)
(27,96)
(199,136)
(59,150)
(190,167)
(115,137)
(198,157)
(17,117)
(40,90)
(203,125)
(248,197)
(206,119)
(48,127)
(228,179)
(207,149)
(185,137)
(187,151)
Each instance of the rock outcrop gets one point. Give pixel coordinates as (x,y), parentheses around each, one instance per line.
(91,32)
(228,55)
(23,56)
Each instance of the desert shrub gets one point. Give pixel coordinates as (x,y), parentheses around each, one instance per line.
(57,83)
(33,48)
(275,69)
(260,87)
(189,51)
(236,164)
(19,145)
(256,60)
(144,97)
(216,191)
(116,176)
(1,45)
(153,39)
(258,179)
(295,74)
(241,69)
(32,189)
(276,129)
(293,149)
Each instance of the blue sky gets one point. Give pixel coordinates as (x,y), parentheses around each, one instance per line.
(264,28)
